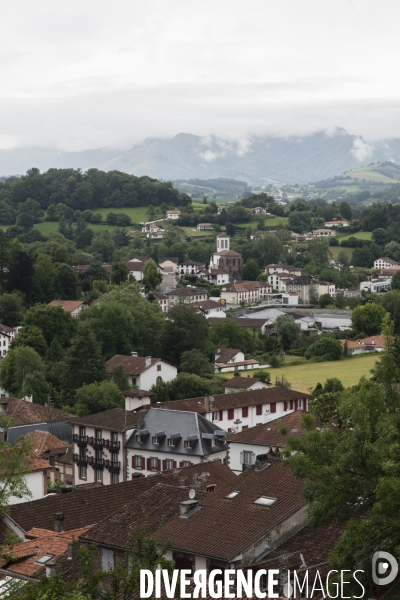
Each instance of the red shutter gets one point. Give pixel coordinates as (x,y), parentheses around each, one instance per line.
(159,465)
(149,464)
(231,413)
(143,462)
(164,465)
(229,429)
(181,464)
(133,461)
(285,406)
(305,404)
(259,409)
(245,411)
(291,405)
(273,407)
(174,464)
(221,415)
(245,427)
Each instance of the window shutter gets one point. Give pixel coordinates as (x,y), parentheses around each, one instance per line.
(231,413)
(245,411)
(273,407)
(143,462)
(181,464)
(164,465)
(174,464)
(253,458)
(259,409)
(285,406)
(149,464)
(221,415)
(159,465)
(133,461)
(242,458)
(291,405)
(305,404)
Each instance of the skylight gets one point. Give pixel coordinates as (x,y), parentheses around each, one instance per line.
(232,495)
(264,501)
(44,559)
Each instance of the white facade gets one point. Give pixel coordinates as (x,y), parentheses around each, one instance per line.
(159,371)
(7,334)
(103,464)
(324,287)
(37,485)
(290,299)
(236,458)
(234,419)
(173,214)
(324,233)
(375,286)
(337,224)
(386,263)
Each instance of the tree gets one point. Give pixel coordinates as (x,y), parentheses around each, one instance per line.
(11,309)
(288,331)
(54,321)
(345,210)
(20,276)
(36,384)
(318,249)
(251,270)
(227,333)
(112,325)
(96,397)
(119,377)
(67,284)
(368,318)
(184,330)
(84,363)
(151,275)
(325,300)
(194,361)
(185,385)
(14,367)
(13,467)
(263,375)
(119,273)
(44,279)
(230,229)
(31,336)
(396,281)
(326,347)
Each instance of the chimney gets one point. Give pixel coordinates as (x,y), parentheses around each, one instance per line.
(28,398)
(148,361)
(50,569)
(208,403)
(134,354)
(73,548)
(59,522)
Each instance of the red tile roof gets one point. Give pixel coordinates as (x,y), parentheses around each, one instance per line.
(115,419)
(44,441)
(132,365)
(268,434)
(68,305)
(27,413)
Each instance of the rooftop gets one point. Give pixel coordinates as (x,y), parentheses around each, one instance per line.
(115,419)
(241,382)
(26,413)
(132,365)
(68,305)
(269,434)
(44,441)
(187,291)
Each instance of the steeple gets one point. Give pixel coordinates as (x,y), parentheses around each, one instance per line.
(223,242)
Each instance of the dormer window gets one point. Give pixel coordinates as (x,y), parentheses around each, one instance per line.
(155,440)
(171,442)
(139,438)
(213,442)
(188,444)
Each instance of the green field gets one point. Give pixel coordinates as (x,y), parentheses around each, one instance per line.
(360,235)
(305,376)
(335,250)
(138,215)
(50,227)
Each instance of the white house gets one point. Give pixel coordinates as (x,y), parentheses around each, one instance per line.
(187,295)
(376,286)
(162,301)
(154,232)
(35,478)
(249,445)
(282,268)
(325,287)
(191,267)
(167,439)
(211,308)
(336,224)
(239,410)
(173,214)
(75,307)
(324,233)
(231,359)
(386,263)
(245,292)
(99,439)
(236,384)
(7,334)
(290,299)
(204,227)
(143,371)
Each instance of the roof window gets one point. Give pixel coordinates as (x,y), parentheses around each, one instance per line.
(265,501)
(44,559)
(232,495)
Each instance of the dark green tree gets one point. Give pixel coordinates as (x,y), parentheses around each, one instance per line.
(326,347)
(54,322)
(119,273)
(368,318)
(31,336)
(151,275)
(120,378)
(288,331)
(67,284)
(84,363)
(251,270)
(12,309)
(112,325)
(184,330)
(195,362)
(96,397)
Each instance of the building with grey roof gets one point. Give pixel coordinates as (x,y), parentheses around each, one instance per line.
(167,439)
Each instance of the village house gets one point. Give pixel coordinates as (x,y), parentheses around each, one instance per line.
(336,224)
(99,440)
(324,233)
(211,309)
(240,410)
(57,453)
(173,214)
(143,371)
(35,476)
(154,231)
(168,265)
(386,263)
(259,210)
(186,295)
(376,286)
(375,343)
(241,384)
(191,267)
(245,292)
(217,276)
(303,286)
(325,287)
(259,325)
(204,227)
(7,334)
(230,359)
(166,439)
(282,268)
(162,300)
(74,307)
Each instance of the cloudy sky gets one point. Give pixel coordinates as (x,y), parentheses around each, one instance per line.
(90,73)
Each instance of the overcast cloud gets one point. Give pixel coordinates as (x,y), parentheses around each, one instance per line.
(83,74)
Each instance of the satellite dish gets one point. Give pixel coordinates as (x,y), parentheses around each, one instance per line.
(192,494)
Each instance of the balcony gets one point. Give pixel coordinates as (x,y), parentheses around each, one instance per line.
(112,445)
(81,461)
(114,466)
(96,442)
(96,463)
(80,440)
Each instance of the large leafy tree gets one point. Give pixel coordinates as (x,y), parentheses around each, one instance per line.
(14,367)
(113,326)
(326,347)
(368,319)
(54,322)
(44,279)
(185,330)
(11,309)
(195,362)
(151,275)
(185,385)
(96,397)
(352,472)
(84,363)
(288,331)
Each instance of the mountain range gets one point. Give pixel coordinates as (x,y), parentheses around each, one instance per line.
(256,159)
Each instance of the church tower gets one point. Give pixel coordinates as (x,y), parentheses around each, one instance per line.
(222,242)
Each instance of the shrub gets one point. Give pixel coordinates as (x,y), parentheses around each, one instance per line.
(325,347)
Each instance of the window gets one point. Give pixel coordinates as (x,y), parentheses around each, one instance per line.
(159,378)
(213,442)
(285,406)
(139,438)
(188,443)
(186,463)
(259,409)
(264,501)
(82,472)
(158,367)
(300,403)
(171,442)
(215,415)
(247,459)
(107,559)
(99,476)
(44,559)
(82,430)
(114,478)
(273,407)
(245,411)
(114,436)
(114,457)
(138,462)
(155,440)
(169,464)
(98,434)
(154,464)
(232,495)
(231,413)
